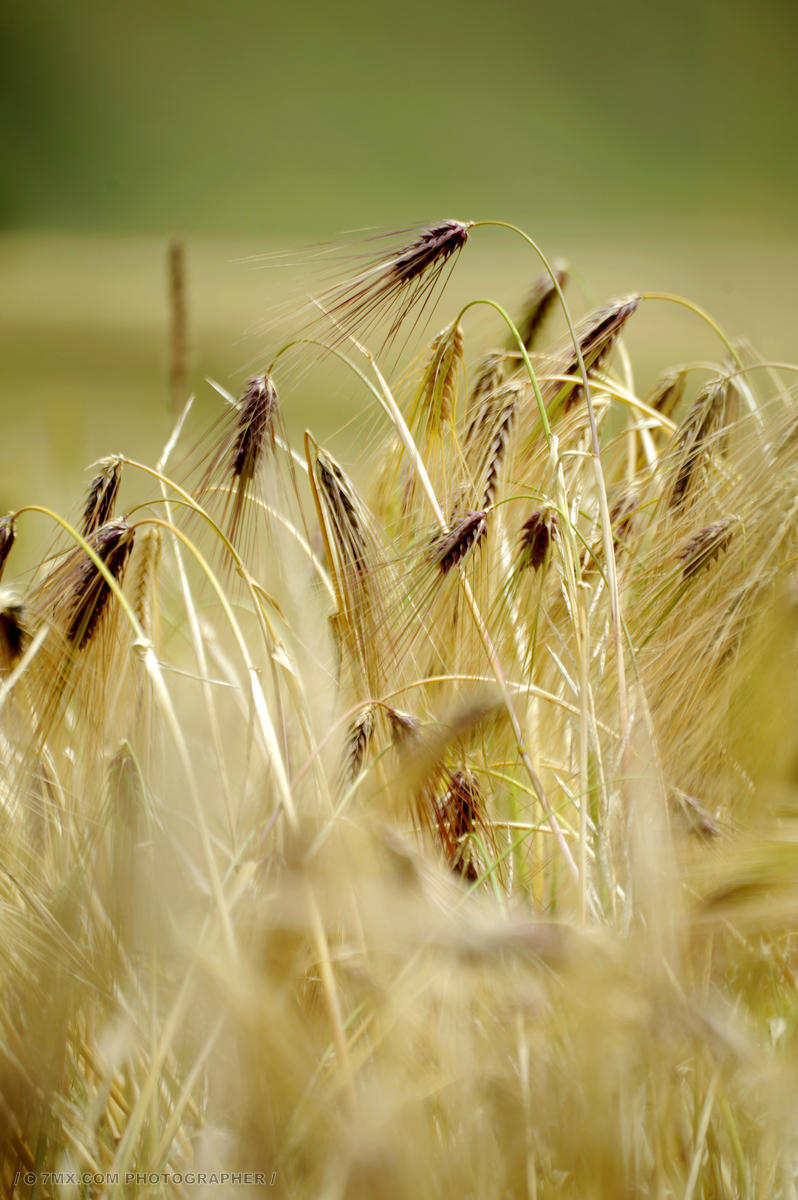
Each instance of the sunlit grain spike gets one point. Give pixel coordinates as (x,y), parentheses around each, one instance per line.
(102,494)
(451,548)
(692,442)
(537,534)
(344,509)
(597,337)
(431,248)
(355,554)
(254,434)
(404,727)
(667,392)
(489,378)
(358,740)
(436,396)
(258,406)
(539,304)
(704,546)
(459,815)
(487,439)
(86,596)
(501,435)
(396,284)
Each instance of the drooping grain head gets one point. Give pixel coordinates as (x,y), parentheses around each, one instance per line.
(463,800)
(240,444)
(404,728)
(361,576)
(697,437)
(453,547)
(667,392)
(102,494)
(255,428)
(459,815)
(253,437)
(489,378)
(358,739)
(343,510)
(500,436)
(602,328)
(436,397)
(431,249)
(7,536)
(704,546)
(538,305)
(487,439)
(537,534)
(393,286)
(87,592)
(597,337)
(13,634)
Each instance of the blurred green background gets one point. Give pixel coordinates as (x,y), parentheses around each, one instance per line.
(651,145)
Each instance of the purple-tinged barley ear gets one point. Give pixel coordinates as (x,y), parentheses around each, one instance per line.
(459,815)
(667,392)
(701,431)
(87,594)
(436,397)
(489,379)
(102,494)
(394,285)
(500,438)
(488,437)
(483,410)
(254,436)
(355,555)
(358,739)
(597,337)
(537,535)
(538,306)
(13,632)
(705,546)
(432,248)
(405,729)
(345,512)
(451,548)
(255,427)
(8,534)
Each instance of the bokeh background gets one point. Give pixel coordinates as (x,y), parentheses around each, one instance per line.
(652,145)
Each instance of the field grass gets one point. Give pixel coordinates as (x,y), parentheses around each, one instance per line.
(408,807)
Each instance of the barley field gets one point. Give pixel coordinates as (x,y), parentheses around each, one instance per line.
(407,805)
